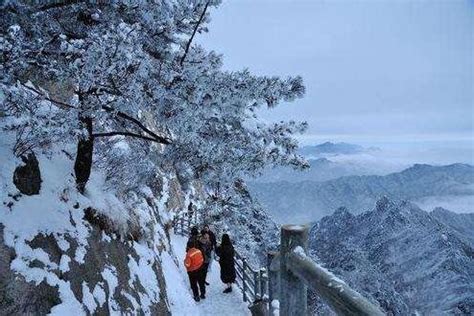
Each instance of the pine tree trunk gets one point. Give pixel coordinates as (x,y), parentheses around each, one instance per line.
(83,163)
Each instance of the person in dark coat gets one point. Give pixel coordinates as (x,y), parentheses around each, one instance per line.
(190,211)
(206,247)
(212,238)
(226,260)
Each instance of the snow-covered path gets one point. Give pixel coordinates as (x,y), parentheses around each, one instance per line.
(179,292)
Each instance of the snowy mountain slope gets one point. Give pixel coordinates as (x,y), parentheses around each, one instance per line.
(308,200)
(463,224)
(399,255)
(65,253)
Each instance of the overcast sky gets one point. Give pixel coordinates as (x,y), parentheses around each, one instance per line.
(375,71)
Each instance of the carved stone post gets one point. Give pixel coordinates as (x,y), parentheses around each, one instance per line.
(293,291)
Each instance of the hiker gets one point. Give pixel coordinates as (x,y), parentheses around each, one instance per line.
(194,263)
(190,211)
(212,238)
(226,260)
(206,248)
(194,237)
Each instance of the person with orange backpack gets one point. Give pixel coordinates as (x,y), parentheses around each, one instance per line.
(194,263)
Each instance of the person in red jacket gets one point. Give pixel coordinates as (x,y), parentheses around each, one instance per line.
(194,262)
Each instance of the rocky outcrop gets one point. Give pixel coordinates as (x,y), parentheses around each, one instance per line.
(27,178)
(17,296)
(400,256)
(100,253)
(104,282)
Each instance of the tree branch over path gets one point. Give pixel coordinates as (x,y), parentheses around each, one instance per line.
(154,136)
(57,102)
(194,33)
(108,134)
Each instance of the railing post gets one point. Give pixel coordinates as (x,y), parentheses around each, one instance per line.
(273,271)
(263,282)
(244,273)
(293,292)
(255,285)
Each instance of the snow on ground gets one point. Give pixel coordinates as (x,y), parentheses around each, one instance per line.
(179,291)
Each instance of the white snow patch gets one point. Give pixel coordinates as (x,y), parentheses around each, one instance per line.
(110,276)
(142,272)
(276,307)
(48,213)
(88,299)
(99,294)
(299,251)
(177,288)
(295,227)
(64,263)
(63,244)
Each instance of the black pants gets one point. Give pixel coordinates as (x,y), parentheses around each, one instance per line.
(204,268)
(197,278)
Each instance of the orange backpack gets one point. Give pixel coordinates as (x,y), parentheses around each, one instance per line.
(194,259)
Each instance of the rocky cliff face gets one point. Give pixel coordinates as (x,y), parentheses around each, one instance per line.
(76,259)
(114,276)
(65,253)
(399,255)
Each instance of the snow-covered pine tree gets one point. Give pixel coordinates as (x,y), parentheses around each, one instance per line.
(126,77)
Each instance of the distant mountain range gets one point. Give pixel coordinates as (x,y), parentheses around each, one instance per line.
(308,200)
(321,169)
(323,165)
(412,262)
(332,149)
